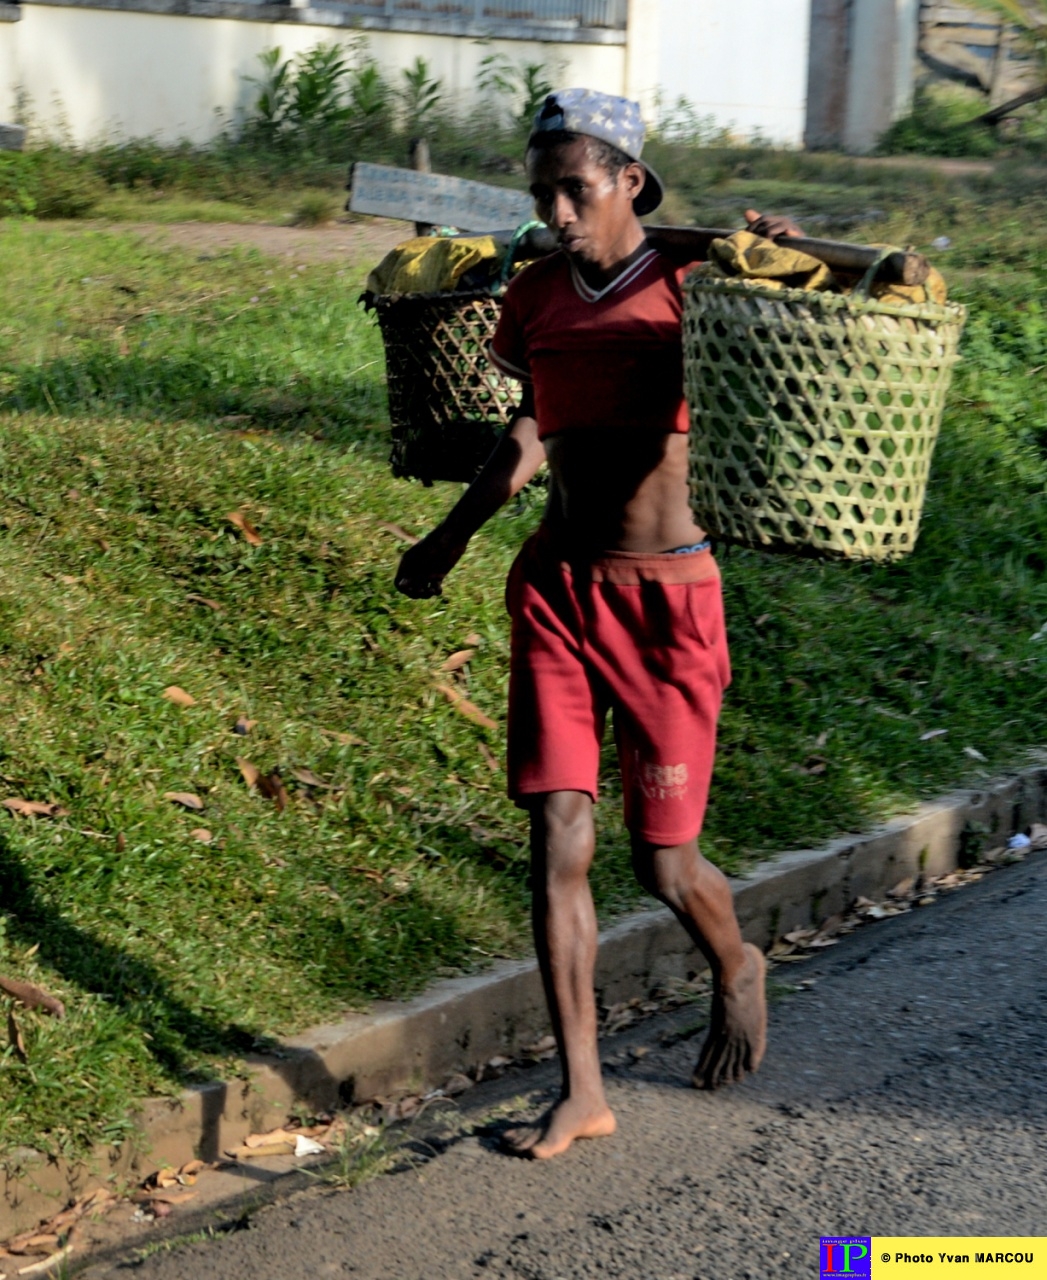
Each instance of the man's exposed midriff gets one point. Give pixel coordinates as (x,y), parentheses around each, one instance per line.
(619,491)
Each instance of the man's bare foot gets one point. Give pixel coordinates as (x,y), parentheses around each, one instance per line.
(738,1033)
(567,1121)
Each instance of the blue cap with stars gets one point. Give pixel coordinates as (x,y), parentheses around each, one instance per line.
(603,116)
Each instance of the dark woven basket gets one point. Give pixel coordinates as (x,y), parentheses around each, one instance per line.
(447,403)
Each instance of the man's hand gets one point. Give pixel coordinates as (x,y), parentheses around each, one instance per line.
(424,566)
(771,225)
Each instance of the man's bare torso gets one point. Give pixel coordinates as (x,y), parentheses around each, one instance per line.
(619,490)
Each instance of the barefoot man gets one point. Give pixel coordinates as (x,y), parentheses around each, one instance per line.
(615,601)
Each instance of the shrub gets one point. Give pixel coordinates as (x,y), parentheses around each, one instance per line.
(48,183)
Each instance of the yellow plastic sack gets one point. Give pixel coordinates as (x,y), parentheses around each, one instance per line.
(429,264)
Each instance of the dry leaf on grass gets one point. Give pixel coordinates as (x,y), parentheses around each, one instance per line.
(34,808)
(932,733)
(244,726)
(473,638)
(346,739)
(187,800)
(309,779)
(204,600)
(397,532)
(266,784)
(179,696)
(202,834)
(457,660)
(488,756)
(246,527)
(14,1035)
(466,708)
(250,772)
(32,996)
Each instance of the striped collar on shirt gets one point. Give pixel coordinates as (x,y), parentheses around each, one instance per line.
(589,294)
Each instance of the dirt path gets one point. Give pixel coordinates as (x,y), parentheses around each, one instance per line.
(901,1095)
(365,241)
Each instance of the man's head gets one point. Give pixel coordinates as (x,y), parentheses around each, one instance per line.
(583,162)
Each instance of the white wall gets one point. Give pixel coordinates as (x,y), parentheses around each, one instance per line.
(115,74)
(744,62)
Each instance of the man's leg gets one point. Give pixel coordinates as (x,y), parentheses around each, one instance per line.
(562,846)
(700,896)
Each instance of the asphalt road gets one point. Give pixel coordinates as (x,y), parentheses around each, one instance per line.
(902,1094)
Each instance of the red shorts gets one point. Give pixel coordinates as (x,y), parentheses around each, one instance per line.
(642,634)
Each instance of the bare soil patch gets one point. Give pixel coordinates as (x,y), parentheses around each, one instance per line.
(365,241)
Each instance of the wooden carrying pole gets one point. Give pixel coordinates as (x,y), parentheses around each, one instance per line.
(690,244)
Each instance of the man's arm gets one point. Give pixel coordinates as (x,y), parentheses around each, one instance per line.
(515,460)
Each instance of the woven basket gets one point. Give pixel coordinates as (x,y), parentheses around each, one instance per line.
(447,402)
(813,416)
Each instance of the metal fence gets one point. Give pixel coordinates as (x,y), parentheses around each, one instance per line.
(573,13)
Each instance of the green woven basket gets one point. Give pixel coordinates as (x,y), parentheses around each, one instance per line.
(813,415)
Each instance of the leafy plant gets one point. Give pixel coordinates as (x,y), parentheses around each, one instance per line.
(317,96)
(369,95)
(420,95)
(47,183)
(523,85)
(271,106)
(314,209)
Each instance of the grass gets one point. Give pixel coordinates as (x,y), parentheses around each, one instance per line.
(147,392)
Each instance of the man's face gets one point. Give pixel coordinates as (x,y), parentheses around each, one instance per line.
(589,208)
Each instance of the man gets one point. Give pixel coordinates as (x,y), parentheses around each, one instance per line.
(615,602)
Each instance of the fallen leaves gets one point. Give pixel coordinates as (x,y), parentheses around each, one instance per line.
(398,532)
(34,808)
(309,779)
(32,996)
(54,1239)
(288,1142)
(266,784)
(457,660)
(910,893)
(193,598)
(250,533)
(466,708)
(202,834)
(243,726)
(173,693)
(14,1036)
(186,800)
(346,739)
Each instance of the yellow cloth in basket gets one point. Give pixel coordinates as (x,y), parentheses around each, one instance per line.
(744,256)
(429,264)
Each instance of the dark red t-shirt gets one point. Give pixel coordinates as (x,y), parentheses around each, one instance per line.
(608,358)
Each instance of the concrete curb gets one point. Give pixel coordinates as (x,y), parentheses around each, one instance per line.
(417,1044)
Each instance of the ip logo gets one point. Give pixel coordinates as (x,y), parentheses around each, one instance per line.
(845,1258)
